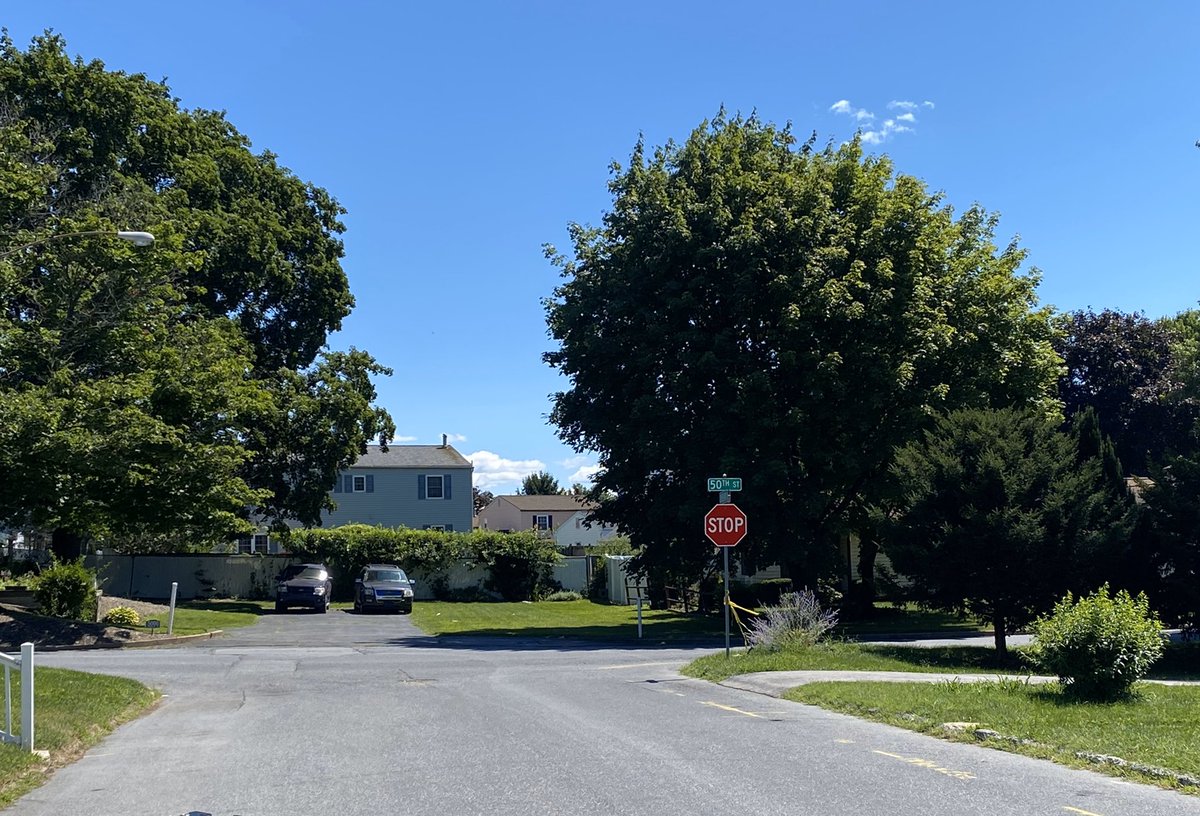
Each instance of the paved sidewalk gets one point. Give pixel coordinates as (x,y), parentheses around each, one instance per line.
(774,684)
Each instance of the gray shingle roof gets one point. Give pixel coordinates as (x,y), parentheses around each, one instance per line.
(412,456)
(549,503)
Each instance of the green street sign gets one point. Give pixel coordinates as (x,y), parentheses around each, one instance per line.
(724,483)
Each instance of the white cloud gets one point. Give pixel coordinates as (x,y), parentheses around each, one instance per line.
(455,438)
(858,114)
(575,461)
(403,439)
(494,471)
(902,122)
(584,474)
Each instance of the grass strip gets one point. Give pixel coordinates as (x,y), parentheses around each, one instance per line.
(562,619)
(197,617)
(74,710)
(844,656)
(1157,727)
(1180,661)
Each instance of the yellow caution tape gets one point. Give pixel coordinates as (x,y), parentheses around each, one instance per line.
(734,609)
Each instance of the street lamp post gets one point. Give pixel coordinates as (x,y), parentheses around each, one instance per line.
(135,237)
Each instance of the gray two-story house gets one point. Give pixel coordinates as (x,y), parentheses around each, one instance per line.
(425,487)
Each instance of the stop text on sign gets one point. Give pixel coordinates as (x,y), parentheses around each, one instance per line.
(725,525)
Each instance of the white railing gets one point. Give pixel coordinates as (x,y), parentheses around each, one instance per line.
(24,664)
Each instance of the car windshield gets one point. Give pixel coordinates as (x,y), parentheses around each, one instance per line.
(315,573)
(386,575)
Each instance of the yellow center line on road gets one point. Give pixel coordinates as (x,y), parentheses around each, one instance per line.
(925,763)
(731,708)
(1079,811)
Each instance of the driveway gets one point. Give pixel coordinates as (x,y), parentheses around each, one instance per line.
(348,714)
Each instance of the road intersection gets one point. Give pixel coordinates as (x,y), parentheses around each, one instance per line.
(347,714)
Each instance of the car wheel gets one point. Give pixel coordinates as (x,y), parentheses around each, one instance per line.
(357,606)
(323,608)
(280,607)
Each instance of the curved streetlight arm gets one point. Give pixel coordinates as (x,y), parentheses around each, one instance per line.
(134,237)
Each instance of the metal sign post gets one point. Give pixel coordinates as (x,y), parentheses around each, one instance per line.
(725,525)
(726,551)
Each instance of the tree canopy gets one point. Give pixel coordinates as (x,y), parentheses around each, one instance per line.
(172,390)
(1003,514)
(787,314)
(540,484)
(1127,368)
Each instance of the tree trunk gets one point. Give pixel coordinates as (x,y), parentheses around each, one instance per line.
(66,545)
(868,548)
(998,624)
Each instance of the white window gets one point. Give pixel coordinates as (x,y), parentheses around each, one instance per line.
(261,544)
(441,528)
(360,484)
(541,522)
(433,487)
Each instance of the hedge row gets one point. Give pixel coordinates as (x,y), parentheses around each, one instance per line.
(519,565)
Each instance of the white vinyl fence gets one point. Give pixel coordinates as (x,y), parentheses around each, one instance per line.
(23,664)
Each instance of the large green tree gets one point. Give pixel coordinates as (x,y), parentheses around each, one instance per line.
(540,484)
(1126,367)
(237,298)
(1003,514)
(782,313)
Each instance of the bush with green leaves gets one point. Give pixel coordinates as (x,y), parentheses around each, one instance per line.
(797,622)
(122,616)
(1098,645)
(67,589)
(564,595)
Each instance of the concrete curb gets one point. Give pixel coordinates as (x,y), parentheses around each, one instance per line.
(774,684)
(133,644)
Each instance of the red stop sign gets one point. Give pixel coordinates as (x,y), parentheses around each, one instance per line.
(725,525)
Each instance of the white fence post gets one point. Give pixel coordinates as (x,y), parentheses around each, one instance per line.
(27,697)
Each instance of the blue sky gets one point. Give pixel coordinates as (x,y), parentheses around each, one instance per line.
(461,137)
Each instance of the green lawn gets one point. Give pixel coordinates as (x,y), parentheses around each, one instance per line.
(196,617)
(1159,727)
(844,656)
(1180,662)
(74,711)
(574,619)
(895,620)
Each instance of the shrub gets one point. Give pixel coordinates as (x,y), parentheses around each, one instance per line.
(564,595)
(67,590)
(123,616)
(796,623)
(598,585)
(519,565)
(1099,646)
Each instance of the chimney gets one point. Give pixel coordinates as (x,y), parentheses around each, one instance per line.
(443,440)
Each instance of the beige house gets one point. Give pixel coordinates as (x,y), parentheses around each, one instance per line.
(548,513)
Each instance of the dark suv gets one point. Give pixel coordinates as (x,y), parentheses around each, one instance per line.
(303,585)
(383,586)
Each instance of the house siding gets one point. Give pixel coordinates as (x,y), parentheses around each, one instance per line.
(394,500)
(500,515)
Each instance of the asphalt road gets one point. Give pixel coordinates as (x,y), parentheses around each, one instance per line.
(345,714)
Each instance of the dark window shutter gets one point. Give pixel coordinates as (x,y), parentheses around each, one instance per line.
(421,487)
(370,483)
(549,522)
(337,484)
(348,483)
(424,526)
(446,486)
(449,528)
